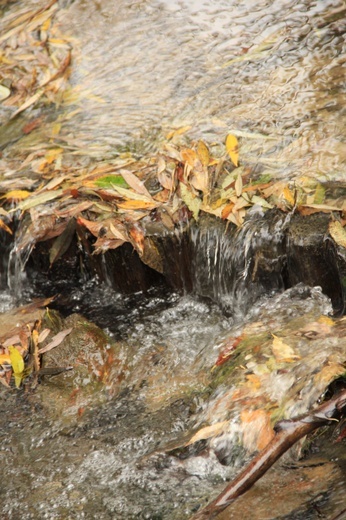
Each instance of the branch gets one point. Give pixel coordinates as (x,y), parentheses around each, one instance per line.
(287,433)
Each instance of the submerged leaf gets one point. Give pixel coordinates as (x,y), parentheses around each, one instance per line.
(209,431)
(282,351)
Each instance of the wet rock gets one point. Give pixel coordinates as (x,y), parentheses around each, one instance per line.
(234,268)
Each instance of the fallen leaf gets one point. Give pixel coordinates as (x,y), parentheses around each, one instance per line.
(5,92)
(257,429)
(5,227)
(337,232)
(16,195)
(232,148)
(56,340)
(209,431)
(238,186)
(203,153)
(282,351)
(17,363)
(135,183)
(192,202)
(62,242)
(36,200)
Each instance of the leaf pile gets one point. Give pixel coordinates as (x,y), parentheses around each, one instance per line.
(20,354)
(57,196)
(34,59)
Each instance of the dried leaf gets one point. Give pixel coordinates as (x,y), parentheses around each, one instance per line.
(191,201)
(136,233)
(238,186)
(209,431)
(189,157)
(28,103)
(5,92)
(56,340)
(257,430)
(62,242)
(177,132)
(16,195)
(203,153)
(288,196)
(232,148)
(135,183)
(337,232)
(255,199)
(36,200)
(5,227)
(282,351)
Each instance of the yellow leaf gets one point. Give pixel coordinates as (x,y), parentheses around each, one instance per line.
(232,148)
(208,431)
(203,153)
(282,351)
(4,92)
(53,154)
(337,232)
(177,132)
(16,195)
(17,363)
(189,156)
(288,195)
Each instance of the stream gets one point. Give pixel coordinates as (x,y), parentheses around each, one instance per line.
(114,442)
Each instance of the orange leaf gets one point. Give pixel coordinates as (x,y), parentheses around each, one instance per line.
(257,429)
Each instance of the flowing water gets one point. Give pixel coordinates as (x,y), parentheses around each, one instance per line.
(271,72)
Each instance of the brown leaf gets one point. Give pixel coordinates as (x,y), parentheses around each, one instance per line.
(56,340)
(62,242)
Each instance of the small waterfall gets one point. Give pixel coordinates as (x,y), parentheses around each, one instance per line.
(235,267)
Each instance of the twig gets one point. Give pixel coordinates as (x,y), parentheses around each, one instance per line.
(287,433)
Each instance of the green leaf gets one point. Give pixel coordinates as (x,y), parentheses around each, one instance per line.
(109,181)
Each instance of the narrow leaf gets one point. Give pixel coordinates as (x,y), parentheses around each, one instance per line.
(56,340)
(17,363)
(62,242)
(232,148)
